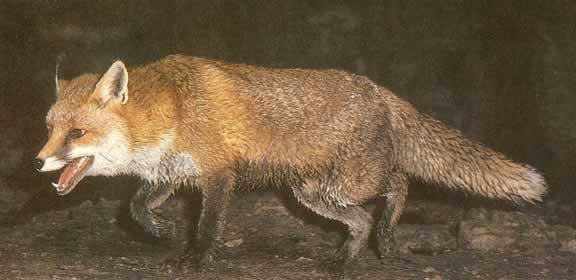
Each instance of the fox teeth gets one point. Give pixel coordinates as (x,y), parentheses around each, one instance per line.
(54,185)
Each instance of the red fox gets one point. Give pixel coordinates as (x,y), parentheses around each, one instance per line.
(336,139)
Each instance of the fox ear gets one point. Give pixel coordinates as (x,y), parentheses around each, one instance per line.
(59,84)
(113,86)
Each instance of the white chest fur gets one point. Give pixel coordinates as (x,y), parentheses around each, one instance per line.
(173,169)
(154,163)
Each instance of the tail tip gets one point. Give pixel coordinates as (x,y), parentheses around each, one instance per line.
(537,186)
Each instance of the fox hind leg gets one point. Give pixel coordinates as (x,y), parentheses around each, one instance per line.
(148,197)
(394,205)
(359,221)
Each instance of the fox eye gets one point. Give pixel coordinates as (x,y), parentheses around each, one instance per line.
(76,133)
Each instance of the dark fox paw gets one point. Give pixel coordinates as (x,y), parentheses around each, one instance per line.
(388,249)
(387,245)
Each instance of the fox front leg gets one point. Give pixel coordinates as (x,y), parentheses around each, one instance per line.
(148,197)
(216,194)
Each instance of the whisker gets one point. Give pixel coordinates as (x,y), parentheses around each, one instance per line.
(105,157)
(67,157)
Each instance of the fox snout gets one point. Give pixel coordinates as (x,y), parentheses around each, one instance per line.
(40,159)
(38,163)
(49,157)
(48,163)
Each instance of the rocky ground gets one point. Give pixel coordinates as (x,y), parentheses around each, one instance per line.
(267,240)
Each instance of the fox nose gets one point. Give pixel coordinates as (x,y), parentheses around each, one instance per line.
(38,163)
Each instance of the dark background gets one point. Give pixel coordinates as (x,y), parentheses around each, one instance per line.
(504,72)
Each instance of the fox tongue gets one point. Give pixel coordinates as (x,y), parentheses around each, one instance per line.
(72,174)
(68,173)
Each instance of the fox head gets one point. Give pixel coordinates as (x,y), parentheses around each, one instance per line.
(86,134)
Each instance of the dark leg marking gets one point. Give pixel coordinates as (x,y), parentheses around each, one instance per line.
(216,194)
(394,205)
(147,198)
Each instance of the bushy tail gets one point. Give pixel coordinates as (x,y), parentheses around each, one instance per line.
(429,150)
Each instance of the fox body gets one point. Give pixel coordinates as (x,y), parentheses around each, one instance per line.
(336,139)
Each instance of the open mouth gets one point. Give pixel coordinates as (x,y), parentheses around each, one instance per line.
(73,173)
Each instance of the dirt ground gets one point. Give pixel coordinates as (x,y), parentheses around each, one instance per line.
(97,240)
